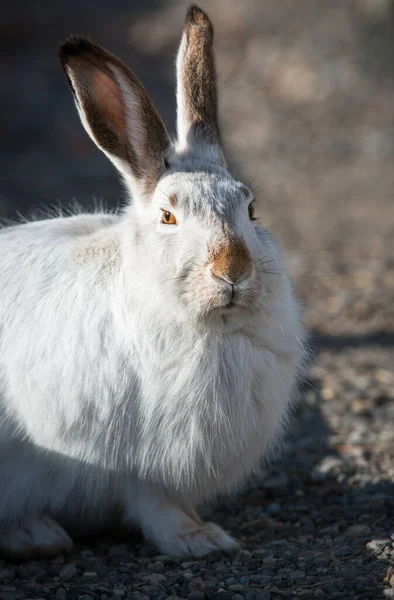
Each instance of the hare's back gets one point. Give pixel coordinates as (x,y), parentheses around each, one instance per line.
(71,227)
(37,260)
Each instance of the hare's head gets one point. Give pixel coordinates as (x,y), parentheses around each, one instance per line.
(192,223)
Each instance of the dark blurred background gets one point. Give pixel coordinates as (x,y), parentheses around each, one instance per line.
(307,111)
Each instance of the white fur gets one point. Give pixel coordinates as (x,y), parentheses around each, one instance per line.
(183,125)
(120,386)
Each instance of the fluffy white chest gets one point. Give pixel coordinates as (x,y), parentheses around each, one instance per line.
(208,411)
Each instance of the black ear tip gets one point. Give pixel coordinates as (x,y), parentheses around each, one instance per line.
(73,45)
(196,16)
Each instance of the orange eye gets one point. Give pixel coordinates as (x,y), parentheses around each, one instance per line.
(167,217)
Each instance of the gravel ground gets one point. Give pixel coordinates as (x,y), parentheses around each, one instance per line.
(307,110)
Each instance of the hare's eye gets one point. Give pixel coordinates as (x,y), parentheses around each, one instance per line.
(251,211)
(167,217)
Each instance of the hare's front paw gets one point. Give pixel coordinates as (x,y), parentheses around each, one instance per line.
(34,538)
(189,538)
(174,532)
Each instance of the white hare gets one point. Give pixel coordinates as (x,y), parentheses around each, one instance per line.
(147,359)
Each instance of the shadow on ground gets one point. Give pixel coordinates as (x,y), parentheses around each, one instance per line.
(322,528)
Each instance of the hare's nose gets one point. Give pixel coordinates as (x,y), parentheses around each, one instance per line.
(231,262)
(231,278)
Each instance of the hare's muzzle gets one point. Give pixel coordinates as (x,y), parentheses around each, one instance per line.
(230,262)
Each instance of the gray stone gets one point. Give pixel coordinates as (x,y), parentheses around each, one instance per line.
(378,545)
(196,584)
(196,595)
(68,571)
(357,531)
(295,575)
(236,587)
(263,595)
(154,578)
(262,553)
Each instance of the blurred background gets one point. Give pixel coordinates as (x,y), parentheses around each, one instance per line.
(307,111)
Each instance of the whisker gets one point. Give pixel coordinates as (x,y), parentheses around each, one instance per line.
(305,251)
(272,273)
(252,182)
(162,281)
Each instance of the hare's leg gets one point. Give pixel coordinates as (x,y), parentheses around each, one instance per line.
(31,483)
(167,525)
(34,537)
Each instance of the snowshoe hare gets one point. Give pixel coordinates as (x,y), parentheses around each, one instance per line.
(147,359)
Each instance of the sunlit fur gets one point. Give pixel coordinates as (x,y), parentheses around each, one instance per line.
(117,364)
(126,383)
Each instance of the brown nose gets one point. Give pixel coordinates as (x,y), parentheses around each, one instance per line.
(231,261)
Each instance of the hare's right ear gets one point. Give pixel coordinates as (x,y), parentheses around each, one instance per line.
(197,104)
(117,112)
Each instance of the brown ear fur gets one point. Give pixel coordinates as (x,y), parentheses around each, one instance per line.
(116,109)
(198,77)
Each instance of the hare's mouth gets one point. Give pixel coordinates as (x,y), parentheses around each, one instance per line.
(231,306)
(208,299)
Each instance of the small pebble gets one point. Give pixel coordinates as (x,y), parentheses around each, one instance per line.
(263,595)
(164,558)
(272,509)
(154,578)
(68,571)
(224,594)
(196,595)
(196,584)
(262,553)
(378,545)
(357,531)
(236,587)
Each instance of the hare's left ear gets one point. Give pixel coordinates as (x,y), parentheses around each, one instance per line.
(197,104)
(117,113)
